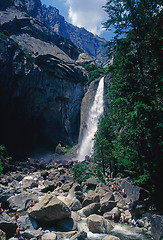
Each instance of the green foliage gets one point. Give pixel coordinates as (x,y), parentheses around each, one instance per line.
(103,144)
(135,94)
(4,157)
(79,173)
(94,72)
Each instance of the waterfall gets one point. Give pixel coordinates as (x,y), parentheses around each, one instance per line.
(96,110)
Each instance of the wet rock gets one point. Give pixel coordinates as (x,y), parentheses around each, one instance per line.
(90,209)
(157,227)
(79,236)
(98,224)
(49,208)
(66,225)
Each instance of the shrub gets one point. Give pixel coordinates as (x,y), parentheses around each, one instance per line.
(4,157)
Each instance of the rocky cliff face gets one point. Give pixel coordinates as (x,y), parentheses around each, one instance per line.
(85,40)
(41,86)
(91,44)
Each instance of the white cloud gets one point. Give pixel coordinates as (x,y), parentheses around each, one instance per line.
(88,14)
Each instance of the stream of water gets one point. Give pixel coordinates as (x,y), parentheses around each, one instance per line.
(123,231)
(96,110)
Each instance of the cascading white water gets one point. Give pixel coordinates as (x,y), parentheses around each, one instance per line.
(96,110)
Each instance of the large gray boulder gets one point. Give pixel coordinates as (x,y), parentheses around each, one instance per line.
(49,208)
(98,224)
(21,202)
(7,225)
(107,202)
(88,210)
(157,227)
(91,197)
(91,183)
(134,192)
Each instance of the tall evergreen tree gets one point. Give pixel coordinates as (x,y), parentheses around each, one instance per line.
(135,89)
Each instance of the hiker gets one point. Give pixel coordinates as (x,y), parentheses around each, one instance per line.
(123,192)
(19,236)
(122,219)
(16,217)
(133,223)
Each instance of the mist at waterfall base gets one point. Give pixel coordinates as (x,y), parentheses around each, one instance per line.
(86,147)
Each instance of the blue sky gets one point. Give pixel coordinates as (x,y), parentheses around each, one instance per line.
(83,13)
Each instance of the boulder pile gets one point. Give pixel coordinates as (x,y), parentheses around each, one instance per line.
(43,198)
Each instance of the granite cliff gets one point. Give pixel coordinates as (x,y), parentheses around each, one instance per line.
(83,39)
(41,85)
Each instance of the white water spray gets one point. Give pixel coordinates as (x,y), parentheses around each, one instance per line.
(96,110)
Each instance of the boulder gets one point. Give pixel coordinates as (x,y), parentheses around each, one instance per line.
(5,193)
(98,224)
(21,202)
(27,222)
(2,235)
(32,233)
(75,205)
(49,208)
(137,208)
(76,191)
(109,215)
(88,210)
(49,236)
(111,237)
(29,182)
(91,183)
(7,225)
(157,227)
(66,187)
(107,202)
(134,192)
(102,190)
(91,197)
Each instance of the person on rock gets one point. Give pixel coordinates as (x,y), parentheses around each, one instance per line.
(16,217)
(19,236)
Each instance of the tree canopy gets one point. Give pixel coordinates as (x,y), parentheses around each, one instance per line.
(135,92)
